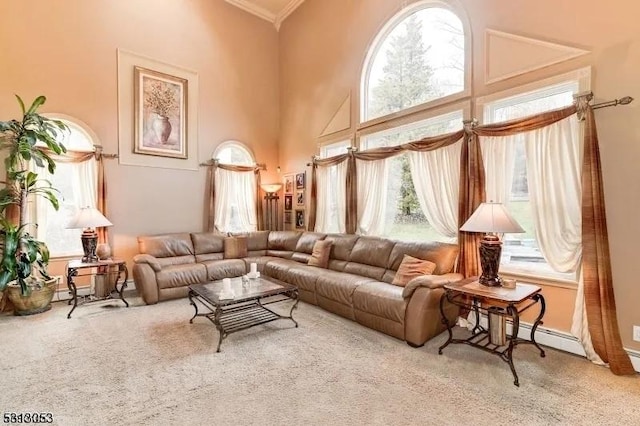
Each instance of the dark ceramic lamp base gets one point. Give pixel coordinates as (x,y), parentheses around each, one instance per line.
(490,250)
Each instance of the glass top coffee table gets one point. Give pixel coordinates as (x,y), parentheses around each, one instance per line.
(245,306)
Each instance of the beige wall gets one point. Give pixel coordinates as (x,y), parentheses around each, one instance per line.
(66,50)
(322,49)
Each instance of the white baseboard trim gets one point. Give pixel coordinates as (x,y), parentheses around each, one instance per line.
(559,340)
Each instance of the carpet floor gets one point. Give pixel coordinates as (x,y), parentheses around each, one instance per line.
(146,365)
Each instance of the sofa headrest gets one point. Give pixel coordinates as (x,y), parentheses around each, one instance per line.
(307,240)
(442,254)
(342,244)
(207,242)
(372,251)
(257,240)
(284,240)
(166,245)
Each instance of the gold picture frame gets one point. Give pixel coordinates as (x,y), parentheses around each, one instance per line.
(160,122)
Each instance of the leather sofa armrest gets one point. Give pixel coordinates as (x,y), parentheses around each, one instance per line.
(148,259)
(430,281)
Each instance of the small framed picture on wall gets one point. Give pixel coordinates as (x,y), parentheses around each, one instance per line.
(287,217)
(299,219)
(288,184)
(288,202)
(299,198)
(300,180)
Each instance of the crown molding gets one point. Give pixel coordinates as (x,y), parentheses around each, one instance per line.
(286,11)
(256,10)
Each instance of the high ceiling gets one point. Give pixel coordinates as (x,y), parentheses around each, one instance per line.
(274,11)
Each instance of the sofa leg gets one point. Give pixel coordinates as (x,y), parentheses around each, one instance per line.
(413,345)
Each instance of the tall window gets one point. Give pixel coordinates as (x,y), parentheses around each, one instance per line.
(417,62)
(235,200)
(77,185)
(334,148)
(521,252)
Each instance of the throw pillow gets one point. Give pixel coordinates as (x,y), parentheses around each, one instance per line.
(320,254)
(412,267)
(235,247)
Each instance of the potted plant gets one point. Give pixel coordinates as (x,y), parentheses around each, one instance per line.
(23,266)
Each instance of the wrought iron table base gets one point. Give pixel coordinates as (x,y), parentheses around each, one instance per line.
(236,317)
(480,336)
(73,289)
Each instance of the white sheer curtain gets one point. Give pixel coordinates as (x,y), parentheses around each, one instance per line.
(80,192)
(235,201)
(436,178)
(498,155)
(372,196)
(554,158)
(331,207)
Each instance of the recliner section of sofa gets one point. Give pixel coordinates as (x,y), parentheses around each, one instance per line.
(356,284)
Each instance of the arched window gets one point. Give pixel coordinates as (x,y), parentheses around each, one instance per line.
(234,152)
(418,57)
(416,69)
(77,186)
(235,201)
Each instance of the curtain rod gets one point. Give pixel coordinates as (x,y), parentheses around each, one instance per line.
(626,100)
(261,166)
(98,148)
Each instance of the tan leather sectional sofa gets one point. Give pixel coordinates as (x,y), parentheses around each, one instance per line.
(356,284)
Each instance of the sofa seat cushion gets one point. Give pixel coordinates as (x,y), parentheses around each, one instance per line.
(304,277)
(279,268)
(380,299)
(181,275)
(338,286)
(227,268)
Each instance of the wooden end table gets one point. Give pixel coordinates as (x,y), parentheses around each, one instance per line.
(498,302)
(94,268)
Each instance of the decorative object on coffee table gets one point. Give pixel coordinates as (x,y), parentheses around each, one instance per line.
(89,218)
(491,218)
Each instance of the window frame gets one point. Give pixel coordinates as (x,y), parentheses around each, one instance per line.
(334,143)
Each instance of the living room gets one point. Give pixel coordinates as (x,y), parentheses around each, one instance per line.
(284,89)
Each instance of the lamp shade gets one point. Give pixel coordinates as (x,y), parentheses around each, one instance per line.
(88,217)
(271,187)
(491,217)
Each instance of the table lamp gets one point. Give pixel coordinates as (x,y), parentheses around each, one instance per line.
(89,218)
(491,218)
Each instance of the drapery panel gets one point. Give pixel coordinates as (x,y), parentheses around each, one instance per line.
(325,163)
(372,196)
(233,195)
(331,198)
(436,178)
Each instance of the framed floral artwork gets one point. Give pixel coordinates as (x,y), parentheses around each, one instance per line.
(288,202)
(160,104)
(299,198)
(299,219)
(300,180)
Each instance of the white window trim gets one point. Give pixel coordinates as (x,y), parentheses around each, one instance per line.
(332,143)
(372,50)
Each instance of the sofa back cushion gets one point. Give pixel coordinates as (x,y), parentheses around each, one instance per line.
(341,246)
(307,240)
(169,249)
(372,251)
(283,240)
(208,246)
(442,254)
